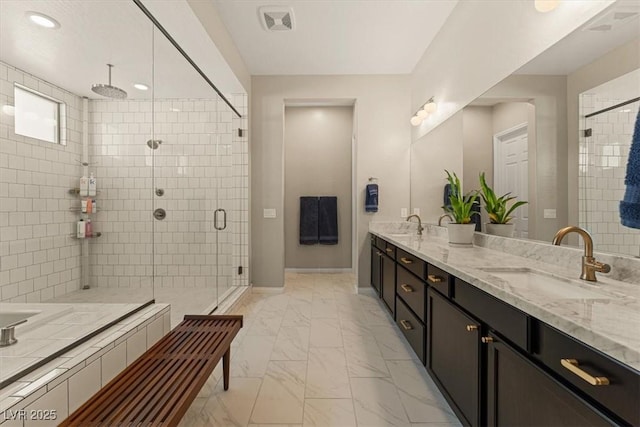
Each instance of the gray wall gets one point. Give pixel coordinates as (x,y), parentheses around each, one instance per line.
(317,163)
(383,136)
(616,63)
(477,137)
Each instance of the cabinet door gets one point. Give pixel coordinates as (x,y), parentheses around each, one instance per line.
(521,394)
(389,283)
(453,354)
(376,268)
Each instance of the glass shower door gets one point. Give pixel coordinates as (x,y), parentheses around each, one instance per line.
(224,211)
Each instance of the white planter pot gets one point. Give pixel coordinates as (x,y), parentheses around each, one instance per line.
(461,234)
(502,230)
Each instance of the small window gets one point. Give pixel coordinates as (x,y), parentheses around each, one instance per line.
(38,116)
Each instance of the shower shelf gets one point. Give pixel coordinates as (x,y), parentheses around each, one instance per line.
(75,236)
(76,191)
(79,209)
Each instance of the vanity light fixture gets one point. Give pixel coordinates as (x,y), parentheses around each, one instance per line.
(140,86)
(429,107)
(43,20)
(545,6)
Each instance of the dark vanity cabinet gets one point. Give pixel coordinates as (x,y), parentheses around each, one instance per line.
(454,355)
(376,267)
(495,364)
(521,394)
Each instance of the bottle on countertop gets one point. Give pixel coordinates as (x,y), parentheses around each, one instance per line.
(92,185)
(88,229)
(81,230)
(83,190)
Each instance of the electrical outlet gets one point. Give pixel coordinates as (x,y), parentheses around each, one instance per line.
(416,211)
(550,213)
(403,212)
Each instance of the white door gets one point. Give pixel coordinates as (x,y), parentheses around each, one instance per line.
(510,172)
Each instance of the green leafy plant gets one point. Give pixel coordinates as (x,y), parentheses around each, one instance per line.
(461,205)
(497,207)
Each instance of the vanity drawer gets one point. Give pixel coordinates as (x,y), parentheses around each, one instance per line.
(439,280)
(411,327)
(621,396)
(508,321)
(378,242)
(411,263)
(412,291)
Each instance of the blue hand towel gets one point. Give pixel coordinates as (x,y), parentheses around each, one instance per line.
(630,205)
(371,198)
(309,220)
(328,220)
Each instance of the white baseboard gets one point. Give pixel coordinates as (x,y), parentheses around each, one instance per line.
(318,270)
(267,289)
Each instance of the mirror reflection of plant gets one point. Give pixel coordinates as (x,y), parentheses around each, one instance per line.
(461,205)
(496,206)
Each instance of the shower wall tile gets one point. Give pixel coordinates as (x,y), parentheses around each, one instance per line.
(199,164)
(602,166)
(38,257)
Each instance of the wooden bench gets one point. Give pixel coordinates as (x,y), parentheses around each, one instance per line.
(159,386)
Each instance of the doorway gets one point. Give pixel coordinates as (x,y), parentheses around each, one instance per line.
(511,171)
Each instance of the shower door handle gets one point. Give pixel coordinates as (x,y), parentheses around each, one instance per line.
(215,219)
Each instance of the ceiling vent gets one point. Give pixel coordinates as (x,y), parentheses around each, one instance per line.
(276,18)
(614,18)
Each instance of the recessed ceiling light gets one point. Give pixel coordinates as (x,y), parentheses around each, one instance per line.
(140,86)
(626,110)
(545,6)
(43,20)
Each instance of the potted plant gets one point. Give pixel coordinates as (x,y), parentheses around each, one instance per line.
(498,210)
(460,208)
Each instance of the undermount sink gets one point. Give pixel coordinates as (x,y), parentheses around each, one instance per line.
(530,280)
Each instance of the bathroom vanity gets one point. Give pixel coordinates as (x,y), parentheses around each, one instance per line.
(511,340)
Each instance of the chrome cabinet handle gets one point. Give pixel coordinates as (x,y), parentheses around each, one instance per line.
(406,325)
(406,288)
(406,261)
(574,367)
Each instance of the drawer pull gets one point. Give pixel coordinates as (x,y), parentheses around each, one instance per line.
(573,366)
(471,328)
(406,261)
(487,340)
(378,253)
(434,279)
(406,325)
(389,250)
(406,287)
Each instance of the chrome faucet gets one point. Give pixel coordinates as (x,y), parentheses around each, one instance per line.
(443,216)
(7,333)
(589,263)
(420,227)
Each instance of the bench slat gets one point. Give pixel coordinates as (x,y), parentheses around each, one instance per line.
(159,386)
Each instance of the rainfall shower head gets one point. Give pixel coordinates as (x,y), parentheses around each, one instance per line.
(108,90)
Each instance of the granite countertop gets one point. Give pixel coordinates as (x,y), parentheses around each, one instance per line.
(604,315)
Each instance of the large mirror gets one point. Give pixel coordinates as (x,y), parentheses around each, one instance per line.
(556,132)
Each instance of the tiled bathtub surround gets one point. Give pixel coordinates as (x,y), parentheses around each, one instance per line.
(608,322)
(603,162)
(68,381)
(38,259)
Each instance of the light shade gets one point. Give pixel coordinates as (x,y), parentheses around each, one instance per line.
(415,121)
(545,6)
(422,114)
(431,106)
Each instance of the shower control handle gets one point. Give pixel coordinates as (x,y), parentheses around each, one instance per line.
(159,214)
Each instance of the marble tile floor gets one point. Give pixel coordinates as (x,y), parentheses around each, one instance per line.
(318,354)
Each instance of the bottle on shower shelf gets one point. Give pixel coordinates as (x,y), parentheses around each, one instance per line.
(92,185)
(83,190)
(88,229)
(81,229)
(94,206)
